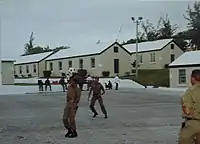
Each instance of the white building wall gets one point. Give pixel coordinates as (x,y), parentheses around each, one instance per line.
(7,73)
(103,62)
(165,55)
(162,57)
(24,72)
(174,76)
(75,64)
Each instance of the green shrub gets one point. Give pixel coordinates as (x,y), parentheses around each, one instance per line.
(47,73)
(105,73)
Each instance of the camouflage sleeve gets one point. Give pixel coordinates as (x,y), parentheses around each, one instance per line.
(102,88)
(187,102)
(91,89)
(78,92)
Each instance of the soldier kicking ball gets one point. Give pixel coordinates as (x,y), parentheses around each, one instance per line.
(73,98)
(97,88)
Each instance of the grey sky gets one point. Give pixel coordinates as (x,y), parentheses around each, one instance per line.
(76,22)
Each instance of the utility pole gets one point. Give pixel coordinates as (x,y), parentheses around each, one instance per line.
(137,22)
(0,55)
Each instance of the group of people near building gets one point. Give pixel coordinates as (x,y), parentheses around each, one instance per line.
(96,89)
(190,101)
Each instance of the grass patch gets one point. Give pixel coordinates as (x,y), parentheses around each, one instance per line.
(25,84)
(151,77)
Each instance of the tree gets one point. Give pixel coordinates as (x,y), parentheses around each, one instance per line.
(61,47)
(166,30)
(141,38)
(194,24)
(29,46)
(150,31)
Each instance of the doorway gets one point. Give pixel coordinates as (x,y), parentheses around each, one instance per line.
(116,66)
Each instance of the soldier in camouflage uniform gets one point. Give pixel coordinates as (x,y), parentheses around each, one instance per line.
(97,88)
(190,130)
(73,98)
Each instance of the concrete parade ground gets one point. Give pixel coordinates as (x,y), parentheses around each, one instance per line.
(135,116)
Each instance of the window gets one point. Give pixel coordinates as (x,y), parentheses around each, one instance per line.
(141,58)
(172,57)
(70,63)
(27,69)
(60,65)
(92,62)
(116,50)
(34,68)
(182,76)
(51,66)
(152,57)
(172,46)
(80,63)
(20,69)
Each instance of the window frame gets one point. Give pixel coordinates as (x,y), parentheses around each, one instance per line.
(152,57)
(60,65)
(93,62)
(116,49)
(182,76)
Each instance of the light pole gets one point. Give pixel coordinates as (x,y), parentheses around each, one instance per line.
(137,22)
(0,56)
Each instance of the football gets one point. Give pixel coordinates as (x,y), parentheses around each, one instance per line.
(72,70)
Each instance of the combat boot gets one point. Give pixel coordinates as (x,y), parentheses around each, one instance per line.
(68,133)
(73,134)
(106,116)
(95,114)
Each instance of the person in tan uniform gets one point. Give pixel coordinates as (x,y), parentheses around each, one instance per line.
(97,88)
(73,98)
(190,101)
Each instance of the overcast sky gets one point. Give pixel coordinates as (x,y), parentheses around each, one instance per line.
(76,22)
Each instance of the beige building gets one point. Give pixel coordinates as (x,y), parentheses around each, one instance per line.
(8,72)
(181,69)
(155,54)
(95,58)
(31,65)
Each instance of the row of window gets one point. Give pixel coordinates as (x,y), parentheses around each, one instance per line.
(28,69)
(81,64)
(153,58)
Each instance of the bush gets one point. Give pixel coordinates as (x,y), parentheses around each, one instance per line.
(127,73)
(82,72)
(16,76)
(29,75)
(47,74)
(105,73)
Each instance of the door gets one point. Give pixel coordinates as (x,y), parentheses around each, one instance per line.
(116,66)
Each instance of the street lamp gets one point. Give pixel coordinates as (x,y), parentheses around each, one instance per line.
(137,22)
(0,55)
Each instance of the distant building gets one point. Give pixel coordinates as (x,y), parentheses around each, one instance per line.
(31,65)
(8,72)
(155,54)
(181,68)
(96,58)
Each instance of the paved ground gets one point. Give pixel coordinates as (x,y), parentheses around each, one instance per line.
(137,116)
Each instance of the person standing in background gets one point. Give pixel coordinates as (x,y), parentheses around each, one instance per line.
(116,80)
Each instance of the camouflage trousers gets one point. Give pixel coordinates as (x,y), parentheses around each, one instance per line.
(93,100)
(190,132)
(69,116)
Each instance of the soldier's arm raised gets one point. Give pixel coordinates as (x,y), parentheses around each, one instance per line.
(91,89)
(187,102)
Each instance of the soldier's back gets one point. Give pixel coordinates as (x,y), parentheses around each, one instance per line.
(195,94)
